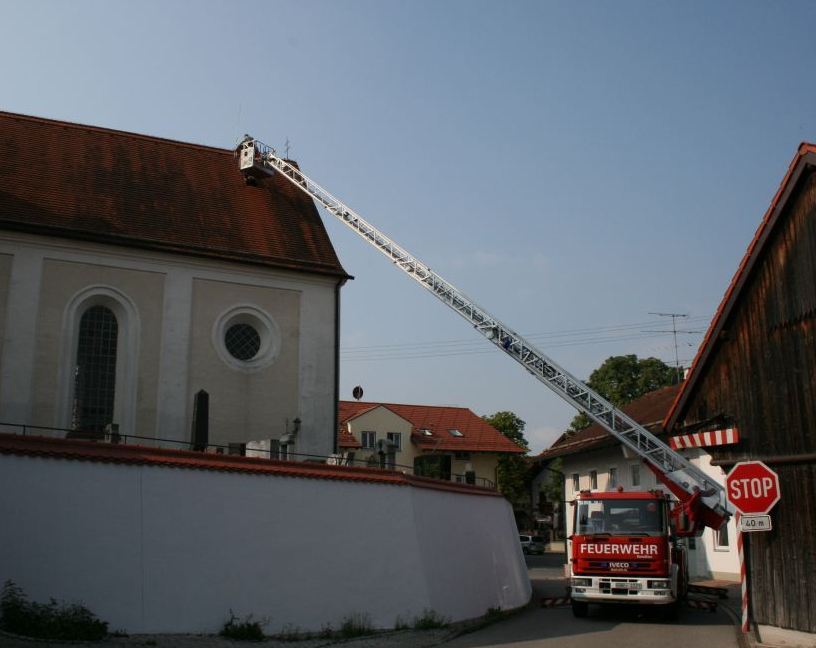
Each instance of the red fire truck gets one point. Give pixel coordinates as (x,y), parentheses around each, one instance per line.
(625,549)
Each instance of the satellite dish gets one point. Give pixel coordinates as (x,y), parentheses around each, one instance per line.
(357,392)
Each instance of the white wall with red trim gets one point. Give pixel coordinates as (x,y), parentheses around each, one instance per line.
(154,549)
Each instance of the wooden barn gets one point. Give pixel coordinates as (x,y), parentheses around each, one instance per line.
(756,371)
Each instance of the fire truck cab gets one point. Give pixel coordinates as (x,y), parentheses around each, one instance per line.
(623,550)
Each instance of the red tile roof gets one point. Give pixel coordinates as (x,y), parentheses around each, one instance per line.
(33,446)
(477,435)
(89,183)
(805,156)
(648,410)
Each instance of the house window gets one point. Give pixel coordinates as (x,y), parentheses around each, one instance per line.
(369,440)
(455,432)
(613,477)
(425,432)
(396,439)
(635,471)
(593,479)
(463,456)
(95,370)
(721,538)
(576,483)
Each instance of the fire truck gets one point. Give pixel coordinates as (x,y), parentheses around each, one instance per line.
(605,559)
(625,548)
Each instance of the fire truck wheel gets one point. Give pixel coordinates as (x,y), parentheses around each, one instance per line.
(580,608)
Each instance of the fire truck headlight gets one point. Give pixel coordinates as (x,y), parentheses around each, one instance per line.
(581,582)
(658,584)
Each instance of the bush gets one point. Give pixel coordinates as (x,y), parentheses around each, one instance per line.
(355,625)
(50,620)
(246,630)
(401,624)
(430,620)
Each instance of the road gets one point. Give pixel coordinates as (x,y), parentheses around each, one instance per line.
(605,627)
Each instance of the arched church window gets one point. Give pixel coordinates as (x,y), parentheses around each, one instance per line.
(95,371)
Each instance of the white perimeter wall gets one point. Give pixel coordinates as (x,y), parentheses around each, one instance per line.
(153,549)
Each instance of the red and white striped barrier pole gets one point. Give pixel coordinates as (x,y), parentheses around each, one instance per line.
(743,582)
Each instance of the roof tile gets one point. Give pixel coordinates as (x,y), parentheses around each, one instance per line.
(648,410)
(90,183)
(477,434)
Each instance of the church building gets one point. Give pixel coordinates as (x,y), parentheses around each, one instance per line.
(137,271)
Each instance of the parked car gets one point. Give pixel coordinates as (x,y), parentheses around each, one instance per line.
(533,544)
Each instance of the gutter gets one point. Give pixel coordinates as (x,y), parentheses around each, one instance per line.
(336,427)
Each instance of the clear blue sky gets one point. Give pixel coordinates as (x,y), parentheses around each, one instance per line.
(571,166)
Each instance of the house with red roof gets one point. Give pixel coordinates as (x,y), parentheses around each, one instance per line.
(450,443)
(756,373)
(592,459)
(136,271)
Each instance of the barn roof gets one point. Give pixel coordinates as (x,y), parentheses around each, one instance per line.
(805,156)
(96,184)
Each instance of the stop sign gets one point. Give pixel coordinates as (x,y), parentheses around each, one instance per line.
(752,487)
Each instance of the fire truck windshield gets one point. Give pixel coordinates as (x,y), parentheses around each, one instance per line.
(620,517)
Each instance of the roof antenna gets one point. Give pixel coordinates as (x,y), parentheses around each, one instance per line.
(286,148)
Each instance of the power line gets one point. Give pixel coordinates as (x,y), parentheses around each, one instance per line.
(568,337)
(458,347)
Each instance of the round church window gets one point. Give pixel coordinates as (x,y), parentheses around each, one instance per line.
(246,338)
(242,341)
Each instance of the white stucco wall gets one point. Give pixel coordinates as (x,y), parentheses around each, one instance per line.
(155,549)
(706,559)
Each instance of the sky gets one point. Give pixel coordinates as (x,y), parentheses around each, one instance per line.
(572,167)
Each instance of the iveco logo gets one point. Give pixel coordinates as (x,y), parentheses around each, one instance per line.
(618,565)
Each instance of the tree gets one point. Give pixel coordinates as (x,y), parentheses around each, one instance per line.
(622,379)
(513,471)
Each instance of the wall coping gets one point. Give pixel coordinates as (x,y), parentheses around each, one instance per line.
(102,452)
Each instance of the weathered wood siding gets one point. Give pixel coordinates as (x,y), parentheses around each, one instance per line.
(761,376)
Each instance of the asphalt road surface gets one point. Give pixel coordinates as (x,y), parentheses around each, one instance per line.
(605,627)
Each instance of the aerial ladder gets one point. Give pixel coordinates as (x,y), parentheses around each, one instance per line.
(702,501)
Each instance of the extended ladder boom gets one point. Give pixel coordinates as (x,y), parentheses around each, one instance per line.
(686,477)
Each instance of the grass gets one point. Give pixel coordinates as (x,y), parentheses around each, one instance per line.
(242,630)
(355,625)
(430,620)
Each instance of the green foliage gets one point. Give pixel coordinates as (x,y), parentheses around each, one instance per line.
(52,620)
(400,623)
(291,632)
(513,471)
(430,620)
(242,630)
(355,625)
(493,614)
(552,487)
(510,426)
(622,379)
(579,422)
